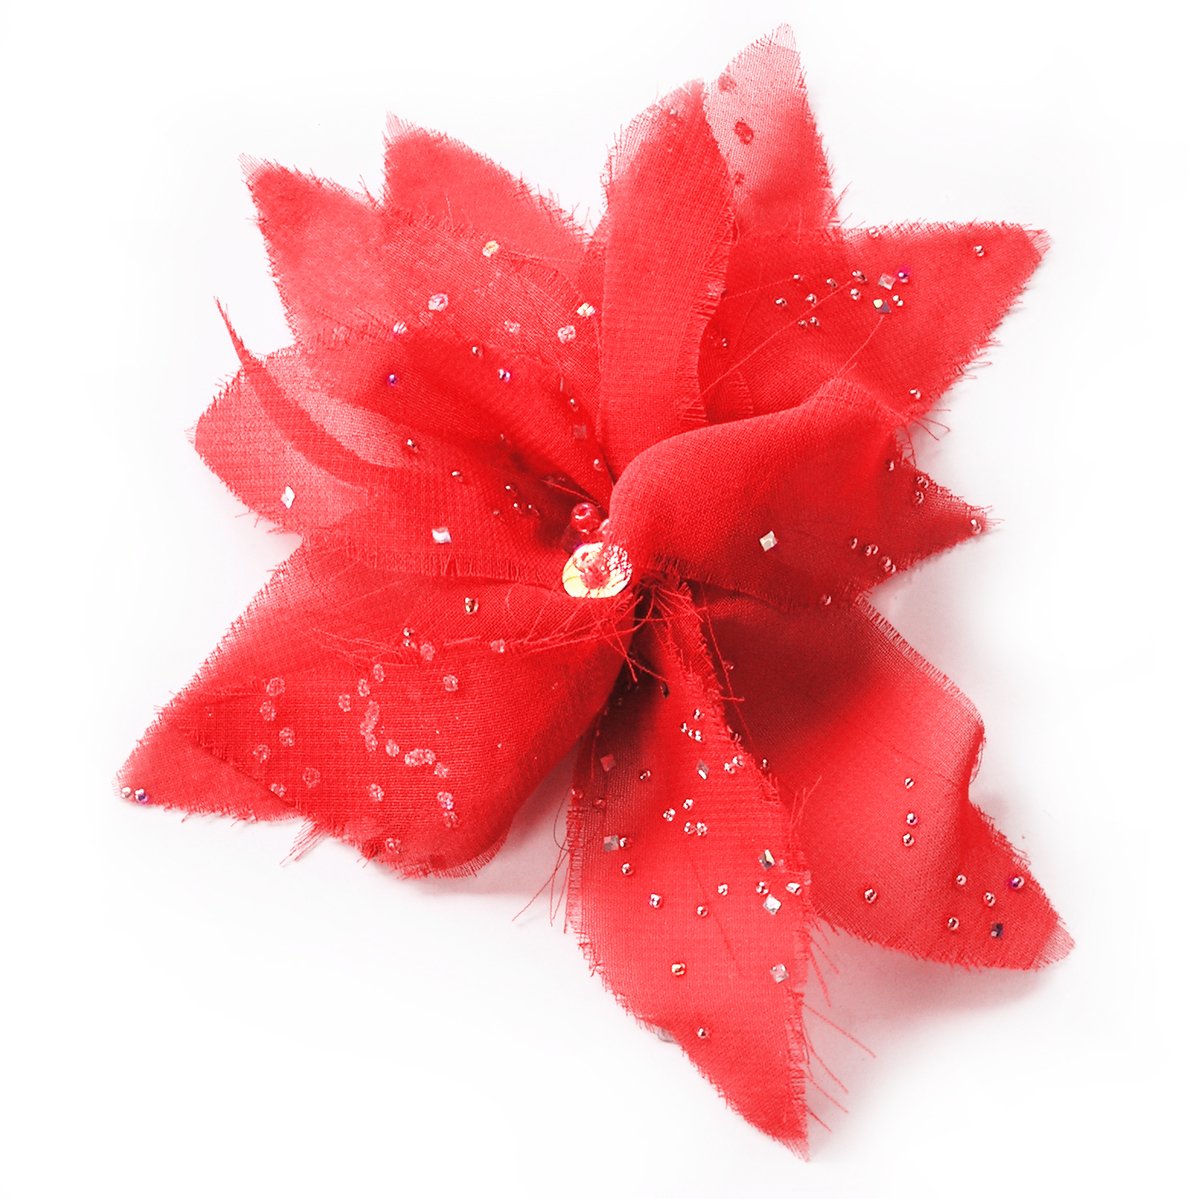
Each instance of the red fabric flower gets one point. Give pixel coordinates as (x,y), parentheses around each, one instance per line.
(729,374)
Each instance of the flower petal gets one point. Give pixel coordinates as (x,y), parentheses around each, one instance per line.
(432,174)
(345,262)
(790,319)
(795,506)
(407,717)
(665,242)
(670,829)
(759,113)
(874,752)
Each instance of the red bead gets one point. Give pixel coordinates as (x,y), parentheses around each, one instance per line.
(586,518)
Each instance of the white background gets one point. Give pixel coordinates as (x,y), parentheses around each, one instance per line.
(182,1014)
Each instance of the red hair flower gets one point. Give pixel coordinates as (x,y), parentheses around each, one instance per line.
(632,487)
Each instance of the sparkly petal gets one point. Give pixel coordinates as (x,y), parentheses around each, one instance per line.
(366,759)
(865,740)
(757,358)
(708,983)
(758,110)
(840,506)
(668,175)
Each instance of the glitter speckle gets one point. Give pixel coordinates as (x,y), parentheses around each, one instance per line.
(952,924)
(376,792)
(656,901)
(679,969)
(268,710)
(441,536)
(451,683)
(779,973)
(870,894)
(567,333)
(723,889)
(286,737)
(490,248)
(311,777)
(437,302)
(275,687)
(503,375)
(586,310)
(261,753)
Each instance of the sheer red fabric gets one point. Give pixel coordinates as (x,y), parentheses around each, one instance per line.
(729,375)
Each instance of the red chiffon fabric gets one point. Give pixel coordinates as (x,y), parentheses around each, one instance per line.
(729,375)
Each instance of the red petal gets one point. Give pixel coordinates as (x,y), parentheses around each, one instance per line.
(429,173)
(871,746)
(789,321)
(344,262)
(382,711)
(388,442)
(666,243)
(759,112)
(672,967)
(792,506)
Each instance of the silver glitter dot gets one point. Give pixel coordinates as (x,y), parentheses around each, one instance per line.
(498,646)
(656,901)
(688,804)
(780,302)
(909,782)
(141,795)
(286,736)
(869,894)
(490,248)
(854,294)
(275,687)
(912,819)
(441,536)
(268,710)
(678,969)
(626,868)
(451,683)
(723,889)
(702,769)
(261,753)
(438,302)
(961,880)
(376,794)
(471,605)
(953,924)
(701,829)
(669,814)
(908,840)
(975,525)
(503,375)
(779,973)
(311,776)
(586,310)
(701,910)
(980,251)
(988,899)
(567,333)
(702,1033)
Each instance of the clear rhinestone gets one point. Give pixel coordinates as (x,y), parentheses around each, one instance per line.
(772,904)
(768,541)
